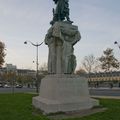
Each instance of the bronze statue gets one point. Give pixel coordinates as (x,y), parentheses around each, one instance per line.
(61,12)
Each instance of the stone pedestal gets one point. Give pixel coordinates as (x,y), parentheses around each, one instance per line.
(61,93)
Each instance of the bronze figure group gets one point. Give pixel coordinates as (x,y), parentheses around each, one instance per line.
(61,12)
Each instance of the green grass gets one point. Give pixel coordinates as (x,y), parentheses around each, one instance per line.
(19,107)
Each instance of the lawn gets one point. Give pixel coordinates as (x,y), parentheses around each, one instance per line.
(19,107)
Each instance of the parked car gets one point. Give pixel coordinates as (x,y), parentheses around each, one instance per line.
(19,86)
(1,86)
(6,86)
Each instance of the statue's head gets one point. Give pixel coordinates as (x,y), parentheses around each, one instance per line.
(55,1)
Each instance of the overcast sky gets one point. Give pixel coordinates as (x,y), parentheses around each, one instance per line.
(20,20)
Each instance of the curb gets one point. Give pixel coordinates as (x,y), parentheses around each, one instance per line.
(106,97)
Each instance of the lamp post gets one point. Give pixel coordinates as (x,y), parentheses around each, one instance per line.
(36,45)
(116,43)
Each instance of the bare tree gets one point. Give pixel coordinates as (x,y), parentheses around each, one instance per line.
(90,63)
(43,70)
(43,67)
(2,53)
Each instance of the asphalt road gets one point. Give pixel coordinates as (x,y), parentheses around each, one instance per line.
(17,90)
(105,92)
(93,91)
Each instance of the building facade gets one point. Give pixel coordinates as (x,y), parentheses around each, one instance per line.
(105,79)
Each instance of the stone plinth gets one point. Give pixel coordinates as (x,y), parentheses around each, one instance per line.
(61,93)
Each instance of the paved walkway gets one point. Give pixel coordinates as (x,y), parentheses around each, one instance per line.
(76,114)
(106,97)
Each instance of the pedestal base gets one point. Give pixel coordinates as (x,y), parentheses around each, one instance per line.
(62,93)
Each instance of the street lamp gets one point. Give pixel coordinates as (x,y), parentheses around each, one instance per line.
(117,44)
(36,45)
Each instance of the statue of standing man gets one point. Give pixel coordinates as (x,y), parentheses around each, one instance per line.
(61,12)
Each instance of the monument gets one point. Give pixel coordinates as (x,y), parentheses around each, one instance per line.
(62,90)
